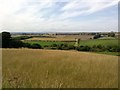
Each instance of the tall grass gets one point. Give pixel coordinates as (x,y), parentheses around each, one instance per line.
(58,69)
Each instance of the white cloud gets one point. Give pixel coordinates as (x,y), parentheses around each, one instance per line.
(76,7)
(28,15)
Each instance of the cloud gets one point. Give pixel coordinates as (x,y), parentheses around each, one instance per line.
(76,7)
(52,15)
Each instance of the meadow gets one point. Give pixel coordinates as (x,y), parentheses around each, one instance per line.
(38,68)
(104,42)
(44,43)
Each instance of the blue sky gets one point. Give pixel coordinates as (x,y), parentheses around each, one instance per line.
(59,15)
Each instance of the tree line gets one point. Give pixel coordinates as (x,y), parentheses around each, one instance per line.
(9,42)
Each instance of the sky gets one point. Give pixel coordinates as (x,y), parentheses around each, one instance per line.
(58,15)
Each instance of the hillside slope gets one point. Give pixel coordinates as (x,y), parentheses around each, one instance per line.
(56,68)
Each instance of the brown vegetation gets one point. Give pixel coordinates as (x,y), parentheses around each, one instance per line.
(58,69)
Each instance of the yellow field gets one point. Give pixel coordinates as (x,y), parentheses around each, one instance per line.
(55,68)
(62,38)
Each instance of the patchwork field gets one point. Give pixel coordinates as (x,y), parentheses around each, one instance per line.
(56,68)
(82,42)
(61,38)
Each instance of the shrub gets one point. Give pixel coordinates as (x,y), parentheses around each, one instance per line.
(46,45)
(83,48)
(35,46)
(62,46)
(27,45)
(112,34)
(71,47)
(54,45)
(16,44)
(97,36)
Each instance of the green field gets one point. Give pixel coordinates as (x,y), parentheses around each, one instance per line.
(39,68)
(44,43)
(82,42)
(103,42)
(99,41)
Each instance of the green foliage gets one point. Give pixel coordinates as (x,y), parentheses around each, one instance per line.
(21,37)
(54,45)
(8,42)
(99,48)
(6,37)
(35,46)
(97,36)
(16,44)
(112,34)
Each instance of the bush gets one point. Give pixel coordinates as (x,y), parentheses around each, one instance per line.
(16,44)
(71,47)
(83,48)
(46,45)
(97,36)
(35,46)
(22,37)
(62,46)
(112,34)
(54,45)
(27,45)
(113,48)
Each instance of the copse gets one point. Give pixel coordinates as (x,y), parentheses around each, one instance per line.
(9,42)
(6,38)
(112,34)
(97,36)
(36,46)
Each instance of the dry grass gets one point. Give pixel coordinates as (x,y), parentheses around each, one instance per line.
(58,69)
(62,38)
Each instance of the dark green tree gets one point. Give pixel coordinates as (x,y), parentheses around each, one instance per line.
(112,34)
(6,37)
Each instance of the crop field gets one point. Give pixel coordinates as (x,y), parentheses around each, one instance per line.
(82,42)
(61,38)
(38,68)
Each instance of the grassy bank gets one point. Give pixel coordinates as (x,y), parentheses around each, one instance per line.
(57,69)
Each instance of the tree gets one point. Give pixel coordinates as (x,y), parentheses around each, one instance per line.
(36,46)
(97,36)
(112,34)
(6,37)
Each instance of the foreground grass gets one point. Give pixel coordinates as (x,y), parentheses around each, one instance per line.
(58,69)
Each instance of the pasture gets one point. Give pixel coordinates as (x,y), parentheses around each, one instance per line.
(35,68)
(104,42)
(44,43)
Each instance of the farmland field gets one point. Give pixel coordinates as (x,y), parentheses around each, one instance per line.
(61,38)
(99,41)
(43,43)
(108,42)
(56,68)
